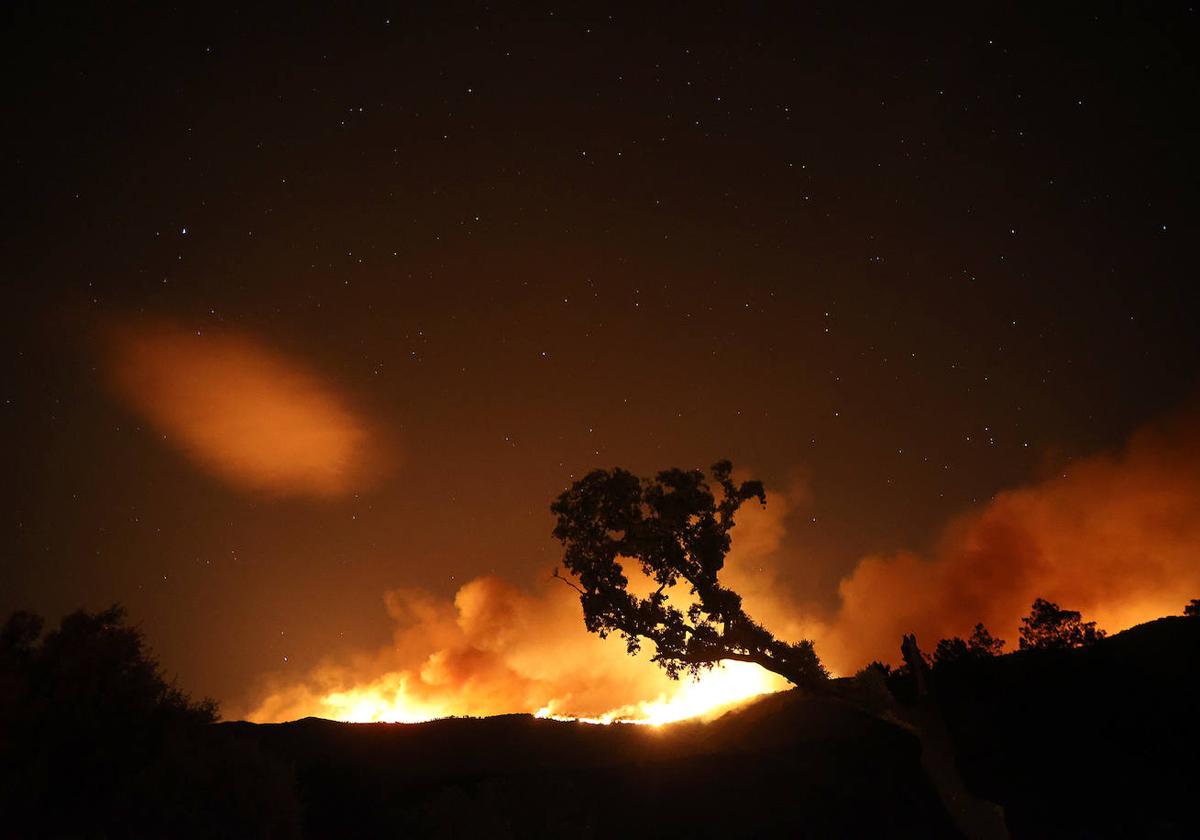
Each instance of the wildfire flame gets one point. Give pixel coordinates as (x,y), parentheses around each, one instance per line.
(725,687)
(1114,535)
(497,648)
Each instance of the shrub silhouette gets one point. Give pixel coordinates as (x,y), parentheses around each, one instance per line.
(1192,608)
(953,649)
(883,668)
(1049,627)
(980,644)
(983,643)
(677,532)
(869,689)
(95,742)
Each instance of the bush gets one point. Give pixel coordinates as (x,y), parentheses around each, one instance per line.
(1049,627)
(870,689)
(980,645)
(95,742)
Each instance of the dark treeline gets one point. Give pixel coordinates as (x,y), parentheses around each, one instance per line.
(94,742)
(1075,734)
(1047,627)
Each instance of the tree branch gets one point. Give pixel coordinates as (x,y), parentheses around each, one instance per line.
(567,581)
(717,655)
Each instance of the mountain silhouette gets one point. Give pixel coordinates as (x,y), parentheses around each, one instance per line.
(788,765)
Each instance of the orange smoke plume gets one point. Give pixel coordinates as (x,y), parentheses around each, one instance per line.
(240,410)
(1116,536)
(498,649)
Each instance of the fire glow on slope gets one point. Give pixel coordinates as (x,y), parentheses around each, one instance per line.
(1114,535)
(718,690)
(497,648)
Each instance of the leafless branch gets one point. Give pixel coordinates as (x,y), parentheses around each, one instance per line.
(567,581)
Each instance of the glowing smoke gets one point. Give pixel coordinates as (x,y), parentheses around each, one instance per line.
(1114,535)
(240,410)
(498,648)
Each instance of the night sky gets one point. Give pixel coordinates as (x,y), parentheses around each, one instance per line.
(891,261)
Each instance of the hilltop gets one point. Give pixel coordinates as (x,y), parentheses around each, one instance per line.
(1100,741)
(786,765)
(1090,742)
(1094,741)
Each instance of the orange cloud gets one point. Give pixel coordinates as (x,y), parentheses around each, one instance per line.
(240,410)
(498,648)
(1116,536)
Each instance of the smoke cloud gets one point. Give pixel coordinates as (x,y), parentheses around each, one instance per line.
(499,648)
(240,410)
(1116,536)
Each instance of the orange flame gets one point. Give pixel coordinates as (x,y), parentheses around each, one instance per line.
(1114,535)
(388,700)
(498,649)
(729,685)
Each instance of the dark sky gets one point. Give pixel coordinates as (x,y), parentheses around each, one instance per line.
(903,257)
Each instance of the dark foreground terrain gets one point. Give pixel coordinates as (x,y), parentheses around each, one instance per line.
(1094,742)
(1102,741)
(787,766)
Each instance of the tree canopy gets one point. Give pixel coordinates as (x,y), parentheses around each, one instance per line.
(95,742)
(1049,627)
(981,644)
(676,531)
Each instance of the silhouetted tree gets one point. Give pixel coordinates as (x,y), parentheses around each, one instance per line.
(869,689)
(883,668)
(1193,608)
(916,664)
(950,650)
(1048,627)
(983,643)
(95,742)
(677,532)
(980,645)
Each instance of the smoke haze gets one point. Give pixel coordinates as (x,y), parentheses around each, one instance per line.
(500,648)
(1114,535)
(240,410)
